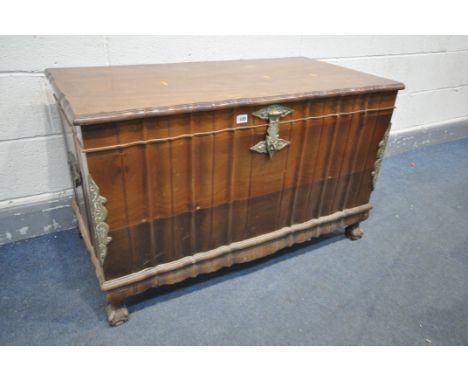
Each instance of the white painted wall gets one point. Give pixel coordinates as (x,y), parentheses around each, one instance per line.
(32,156)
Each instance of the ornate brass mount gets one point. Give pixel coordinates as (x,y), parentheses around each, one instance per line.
(380,155)
(99,215)
(272,142)
(74,169)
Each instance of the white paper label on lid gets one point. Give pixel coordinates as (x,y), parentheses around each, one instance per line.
(242,118)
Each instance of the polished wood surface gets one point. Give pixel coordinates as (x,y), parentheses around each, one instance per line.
(119,289)
(104,94)
(173,192)
(184,194)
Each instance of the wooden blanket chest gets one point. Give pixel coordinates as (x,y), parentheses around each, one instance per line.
(181,169)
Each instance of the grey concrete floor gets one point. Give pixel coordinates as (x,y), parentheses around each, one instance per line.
(404,283)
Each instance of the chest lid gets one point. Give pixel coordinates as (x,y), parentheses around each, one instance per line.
(103,94)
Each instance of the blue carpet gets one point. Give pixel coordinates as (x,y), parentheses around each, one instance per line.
(404,283)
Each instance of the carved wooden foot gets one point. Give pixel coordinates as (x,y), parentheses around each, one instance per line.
(353,231)
(117,314)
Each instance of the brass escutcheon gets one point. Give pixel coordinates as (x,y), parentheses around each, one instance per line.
(272,142)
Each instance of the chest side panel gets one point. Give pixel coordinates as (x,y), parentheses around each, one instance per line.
(183,184)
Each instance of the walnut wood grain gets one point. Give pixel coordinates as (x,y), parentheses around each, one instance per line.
(240,252)
(185,193)
(104,94)
(168,199)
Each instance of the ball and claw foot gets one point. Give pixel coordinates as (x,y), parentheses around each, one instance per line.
(353,232)
(117,314)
